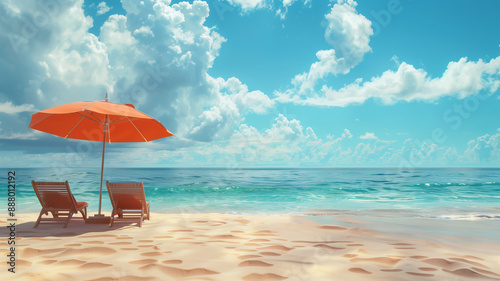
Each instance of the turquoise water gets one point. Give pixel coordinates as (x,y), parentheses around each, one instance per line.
(423,193)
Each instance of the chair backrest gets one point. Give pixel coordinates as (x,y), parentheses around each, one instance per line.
(55,195)
(127,195)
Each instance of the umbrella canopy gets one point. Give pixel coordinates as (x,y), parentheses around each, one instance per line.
(99,121)
(89,120)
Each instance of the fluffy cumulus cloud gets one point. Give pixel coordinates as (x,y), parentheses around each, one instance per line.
(484,149)
(48,58)
(156,56)
(349,33)
(102,8)
(9,108)
(461,79)
(368,136)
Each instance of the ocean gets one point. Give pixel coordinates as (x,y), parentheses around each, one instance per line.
(447,194)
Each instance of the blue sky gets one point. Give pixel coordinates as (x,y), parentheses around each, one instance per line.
(302,83)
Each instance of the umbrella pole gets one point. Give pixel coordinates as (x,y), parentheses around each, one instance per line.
(102,168)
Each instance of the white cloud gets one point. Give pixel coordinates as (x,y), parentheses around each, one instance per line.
(102,8)
(484,149)
(349,33)
(368,136)
(159,64)
(462,79)
(9,108)
(282,11)
(248,5)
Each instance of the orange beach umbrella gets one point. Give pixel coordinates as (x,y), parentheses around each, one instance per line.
(99,121)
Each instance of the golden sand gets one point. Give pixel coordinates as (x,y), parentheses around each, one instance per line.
(238,247)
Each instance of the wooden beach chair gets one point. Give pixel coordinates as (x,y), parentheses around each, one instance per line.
(129,202)
(56,198)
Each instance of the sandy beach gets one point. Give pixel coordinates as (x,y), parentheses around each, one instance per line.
(238,247)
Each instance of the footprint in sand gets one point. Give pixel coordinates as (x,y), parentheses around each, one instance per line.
(444,263)
(70,262)
(277,247)
(255,263)
(172,261)
(144,261)
(120,243)
(242,221)
(93,242)
(182,230)
(129,249)
(327,247)
(359,270)
(332,227)
(146,246)
(246,250)
(46,262)
(124,237)
(178,273)
(419,257)
(391,270)
(225,236)
(264,233)
(353,245)
(252,244)
(32,252)
(269,254)
(237,231)
(379,260)
(145,241)
(95,265)
(259,240)
(151,254)
(246,257)
(23,263)
(162,237)
(73,245)
(420,274)
(427,269)
(350,256)
(261,277)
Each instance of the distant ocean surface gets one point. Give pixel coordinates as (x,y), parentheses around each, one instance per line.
(457,194)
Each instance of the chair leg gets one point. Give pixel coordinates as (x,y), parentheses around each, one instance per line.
(39,218)
(67,221)
(84,213)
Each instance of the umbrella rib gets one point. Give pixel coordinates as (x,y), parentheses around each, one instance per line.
(96,119)
(86,117)
(129,120)
(76,124)
(137,129)
(40,121)
(85,108)
(109,133)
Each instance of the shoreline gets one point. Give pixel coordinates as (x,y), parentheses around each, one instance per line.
(243,247)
